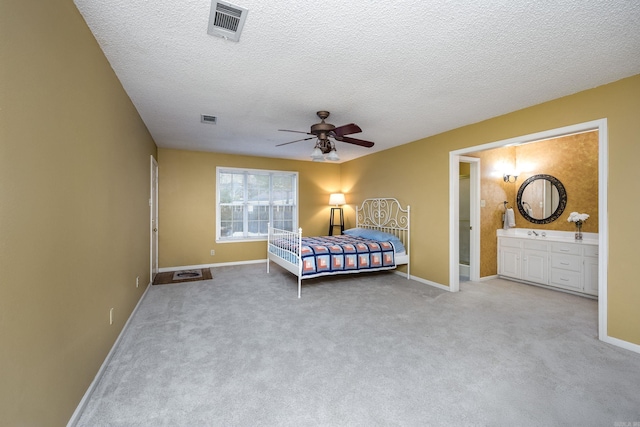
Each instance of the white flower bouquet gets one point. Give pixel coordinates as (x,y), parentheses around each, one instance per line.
(578,218)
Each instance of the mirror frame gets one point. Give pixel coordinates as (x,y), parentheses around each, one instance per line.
(562,199)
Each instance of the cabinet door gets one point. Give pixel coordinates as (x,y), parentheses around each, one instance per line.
(535,266)
(591,276)
(509,263)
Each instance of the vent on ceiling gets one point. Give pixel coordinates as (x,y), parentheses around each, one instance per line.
(226,20)
(212,120)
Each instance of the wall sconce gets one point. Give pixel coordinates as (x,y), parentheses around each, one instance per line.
(336,200)
(507,177)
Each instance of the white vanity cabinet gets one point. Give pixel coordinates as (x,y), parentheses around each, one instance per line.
(572,266)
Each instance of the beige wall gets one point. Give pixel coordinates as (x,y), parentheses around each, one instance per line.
(416,175)
(573,159)
(74,212)
(187,208)
(420,178)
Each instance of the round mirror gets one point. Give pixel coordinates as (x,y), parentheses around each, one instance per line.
(541,199)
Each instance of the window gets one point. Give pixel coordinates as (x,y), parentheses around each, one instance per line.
(249,199)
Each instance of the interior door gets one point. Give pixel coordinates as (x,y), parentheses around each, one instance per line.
(153,204)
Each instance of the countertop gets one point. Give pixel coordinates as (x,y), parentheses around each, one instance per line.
(548,235)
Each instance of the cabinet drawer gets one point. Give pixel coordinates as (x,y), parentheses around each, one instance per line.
(566,262)
(536,246)
(566,248)
(591,250)
(566,279)
(510,243)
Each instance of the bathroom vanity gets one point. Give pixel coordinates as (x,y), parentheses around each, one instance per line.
(549,258)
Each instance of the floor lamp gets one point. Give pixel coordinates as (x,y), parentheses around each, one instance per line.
(336,200)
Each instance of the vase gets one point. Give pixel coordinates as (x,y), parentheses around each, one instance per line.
(578,230)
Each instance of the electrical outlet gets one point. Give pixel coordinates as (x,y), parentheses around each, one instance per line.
(111,316)
(137,281)
(213,252)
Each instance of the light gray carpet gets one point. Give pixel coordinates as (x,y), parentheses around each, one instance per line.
(374,350)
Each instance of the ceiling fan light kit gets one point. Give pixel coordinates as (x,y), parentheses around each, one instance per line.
(325,149)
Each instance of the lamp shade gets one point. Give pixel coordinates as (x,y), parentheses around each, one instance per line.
(337,199)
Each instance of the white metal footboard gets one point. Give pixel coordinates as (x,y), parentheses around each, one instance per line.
(283,248)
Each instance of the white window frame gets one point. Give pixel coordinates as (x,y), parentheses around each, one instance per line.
(246,203)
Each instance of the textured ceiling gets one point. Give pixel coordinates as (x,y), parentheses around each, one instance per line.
(401,70)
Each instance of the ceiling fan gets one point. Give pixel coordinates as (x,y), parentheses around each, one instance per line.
(323,131)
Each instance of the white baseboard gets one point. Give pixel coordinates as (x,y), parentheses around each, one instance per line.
(430,283)
(218,264)
(75,417)
(623,344)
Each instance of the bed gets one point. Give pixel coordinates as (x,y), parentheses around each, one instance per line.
(380,241)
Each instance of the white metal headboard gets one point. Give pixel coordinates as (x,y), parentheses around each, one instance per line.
(385,214)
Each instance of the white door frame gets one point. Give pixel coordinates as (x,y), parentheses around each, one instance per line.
(153,229)
(603,230)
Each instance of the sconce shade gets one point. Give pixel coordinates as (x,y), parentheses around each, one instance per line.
(507,177)
(337,199)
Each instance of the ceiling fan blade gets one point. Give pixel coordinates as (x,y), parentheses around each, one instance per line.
(355,141)
(296,131)
(347,129)
(297,140)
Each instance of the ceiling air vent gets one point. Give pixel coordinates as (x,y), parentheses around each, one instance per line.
(226,20)
(212,120)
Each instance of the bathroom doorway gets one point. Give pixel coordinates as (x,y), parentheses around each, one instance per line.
(458,156)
